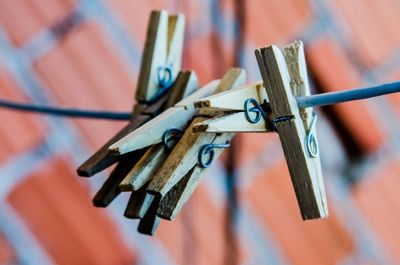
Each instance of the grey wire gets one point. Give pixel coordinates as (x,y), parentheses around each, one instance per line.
(347,95)
(66,112)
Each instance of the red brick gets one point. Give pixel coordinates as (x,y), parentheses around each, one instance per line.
(7,255)
(206,237)
(207,247)
(85,71)
(135,16)
(202,58)
(335,72)
(172,235)
(22,19)
(57,209)
(266,23)
(377,197)
(373,28)
(253,144)
(22,131)
(312,242)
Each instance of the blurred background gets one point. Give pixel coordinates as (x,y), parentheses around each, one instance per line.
(87,53)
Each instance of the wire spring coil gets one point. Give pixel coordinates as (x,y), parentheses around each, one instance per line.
(209,149)
(252,106)
(311,141)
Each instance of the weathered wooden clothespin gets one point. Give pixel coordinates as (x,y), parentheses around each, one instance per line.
(155,133)
(142,205)
(174,172)
(161,63)
(187,161)
(257,108)
(282,103)
(285,78)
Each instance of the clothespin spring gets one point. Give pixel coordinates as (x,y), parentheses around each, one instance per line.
(311,141)
(257,109)
(165,81)
(169,135)
(165,77)
(209,149)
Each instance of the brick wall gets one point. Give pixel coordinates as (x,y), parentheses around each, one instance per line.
(86,54)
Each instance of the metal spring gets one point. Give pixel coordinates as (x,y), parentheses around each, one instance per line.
(311,141)
(257,109)
(165,76)
(209,149)
(176,135)
(165,81)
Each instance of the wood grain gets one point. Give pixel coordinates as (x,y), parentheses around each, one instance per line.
(103,158)
(151,132)
(185,84)
(110,188)
(149,223)
(296,64)
(154,55)
(184,155)
(292,133)
(232,100)
(138,204)
(176,30)
(232,122)
(172,203)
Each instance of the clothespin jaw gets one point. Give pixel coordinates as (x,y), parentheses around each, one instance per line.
(231,109)
(298,141)
(152,132)
(162,56)
(160,65)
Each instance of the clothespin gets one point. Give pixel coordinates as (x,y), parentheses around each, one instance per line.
(180,174)
(156,165)
(186,153)
(284,79)
(254,108)
(142,205)
(284,106)
(161,63)
(152,132)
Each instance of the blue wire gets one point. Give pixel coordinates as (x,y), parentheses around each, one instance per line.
(67,112)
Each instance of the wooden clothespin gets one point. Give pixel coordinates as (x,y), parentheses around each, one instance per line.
(285,77)
(161,63)
(142,205)
(254,108)
(187,159)
(151,168)
(152,132)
